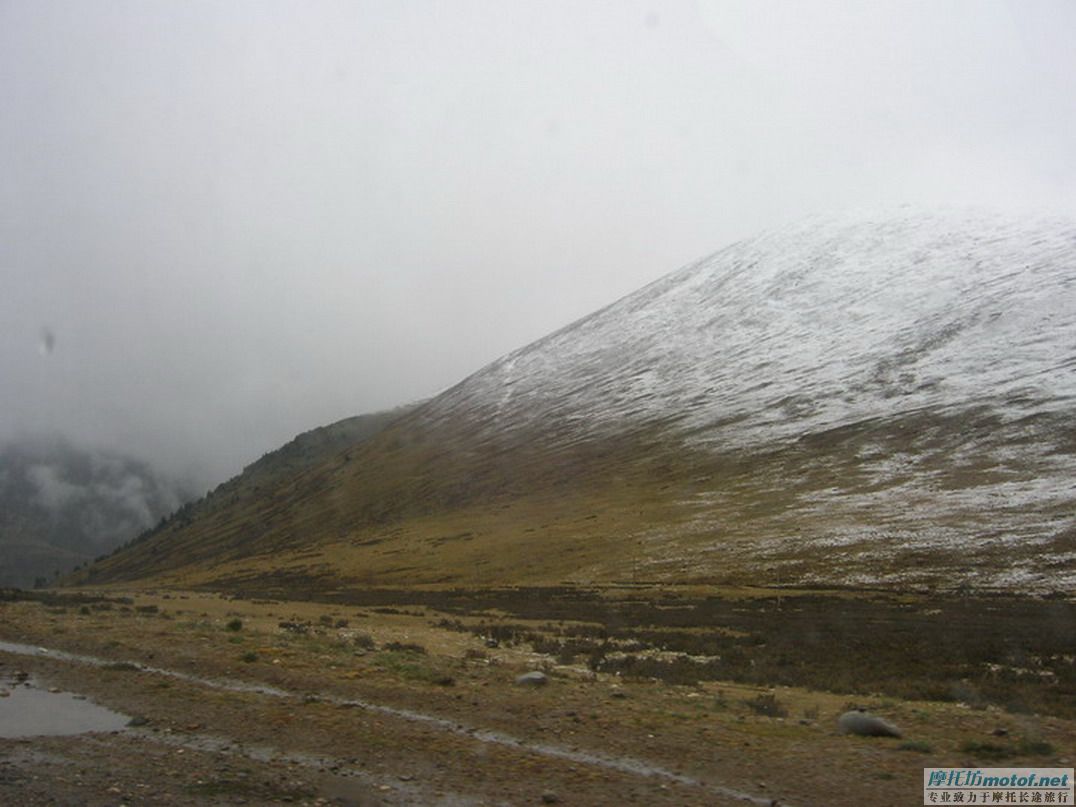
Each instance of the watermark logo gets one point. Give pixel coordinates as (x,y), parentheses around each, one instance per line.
(997,786)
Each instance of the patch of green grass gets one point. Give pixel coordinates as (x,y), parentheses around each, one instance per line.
(122,666)
(1036,748)
(987,750)
(994,751)
(916,745)
(258,793)
(405,647)
(408,665)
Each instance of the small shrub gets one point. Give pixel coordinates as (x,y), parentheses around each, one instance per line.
(365,641)
(235,624)
(405,647)
(768,705)
(249,657)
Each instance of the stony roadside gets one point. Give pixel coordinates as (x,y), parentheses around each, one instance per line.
(470,734)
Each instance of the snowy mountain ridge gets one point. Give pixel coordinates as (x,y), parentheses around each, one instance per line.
(810,327)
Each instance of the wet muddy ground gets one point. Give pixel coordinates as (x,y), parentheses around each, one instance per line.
(229,701)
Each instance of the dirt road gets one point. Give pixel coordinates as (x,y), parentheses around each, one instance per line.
(229,707)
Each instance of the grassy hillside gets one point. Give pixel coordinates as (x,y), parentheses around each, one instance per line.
(269,476)
(415,505)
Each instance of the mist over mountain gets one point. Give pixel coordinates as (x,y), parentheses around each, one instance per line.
(879,399)
(278,467)
(62,505)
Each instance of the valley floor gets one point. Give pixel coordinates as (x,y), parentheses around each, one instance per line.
(401,699)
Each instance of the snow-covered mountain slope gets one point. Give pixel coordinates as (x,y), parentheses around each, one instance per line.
(815,326)
(883,400)
(958,328)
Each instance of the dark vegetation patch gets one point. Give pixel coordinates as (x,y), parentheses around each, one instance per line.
(999,650)
(61,598)
(1005,650)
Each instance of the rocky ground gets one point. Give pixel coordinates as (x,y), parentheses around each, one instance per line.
(271,702)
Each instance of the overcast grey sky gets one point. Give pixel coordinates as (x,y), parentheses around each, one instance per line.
(241,220)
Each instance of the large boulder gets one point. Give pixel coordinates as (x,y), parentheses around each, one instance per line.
(533,679)
(866,725)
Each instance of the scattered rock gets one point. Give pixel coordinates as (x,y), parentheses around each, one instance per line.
(866,725)
(535,678)
(137,720)
(1001,732)
(550,798)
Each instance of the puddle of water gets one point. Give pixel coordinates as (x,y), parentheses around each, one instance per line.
(29,711)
